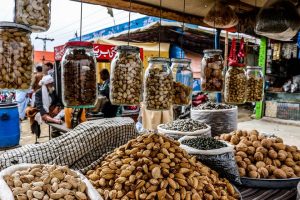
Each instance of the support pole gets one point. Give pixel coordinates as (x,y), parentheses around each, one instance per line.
(217,46)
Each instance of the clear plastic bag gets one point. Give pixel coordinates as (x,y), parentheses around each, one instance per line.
(221,121)
(279,20)
(222,160)
(221,16)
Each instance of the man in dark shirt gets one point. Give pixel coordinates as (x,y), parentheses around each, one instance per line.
(108,109)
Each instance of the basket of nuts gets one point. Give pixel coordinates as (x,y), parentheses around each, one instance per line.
(33,181)
(264,160)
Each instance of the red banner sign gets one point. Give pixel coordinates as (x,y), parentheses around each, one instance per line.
(102,52)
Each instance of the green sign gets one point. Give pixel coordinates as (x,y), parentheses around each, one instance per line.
(262,64)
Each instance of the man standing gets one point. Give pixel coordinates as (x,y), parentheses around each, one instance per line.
(50,69)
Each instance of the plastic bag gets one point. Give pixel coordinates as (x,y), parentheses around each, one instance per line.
(6,193)
(279,20)
(221,16)
(221,121)
(179,134)
(222,160)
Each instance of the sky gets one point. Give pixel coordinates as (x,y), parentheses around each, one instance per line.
(65,20)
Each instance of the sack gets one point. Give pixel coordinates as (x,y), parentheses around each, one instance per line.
(221,16)
(6,193)
(221,160)
(221,121)
(179,134)
(279,20)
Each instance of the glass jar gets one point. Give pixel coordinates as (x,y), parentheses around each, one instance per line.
(212,77)
(255,84)
(235,85)
(158,86)
(126,76)
(183,81)
(16,56)
(78,75)
(33,13)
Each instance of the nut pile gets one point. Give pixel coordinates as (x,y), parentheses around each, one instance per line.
(158,89)
(235,86)
(254,89)
(33,13)
(182,94)
(16,59)
(79,79)
(259,156)
(212,73)
(204,143)
(185,125)
(46,183)
(213,106)
(126,80)
(155,167)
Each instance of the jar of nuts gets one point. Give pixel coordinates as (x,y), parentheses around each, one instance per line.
(126,76)
(212,70)
(33,13)
(16,56)
(255,84)
(183,81)
(235,85)
(158,87)
(79,75)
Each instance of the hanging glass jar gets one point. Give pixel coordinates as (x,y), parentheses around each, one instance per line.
(79,75)
(255,84)
(126,76)
(16,56)
(212,71)
(158,86)
(183,81)
(33,13)
(235,85)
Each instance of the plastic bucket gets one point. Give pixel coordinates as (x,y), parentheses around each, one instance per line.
(9,125)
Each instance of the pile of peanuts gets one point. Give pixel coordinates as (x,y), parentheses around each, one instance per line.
(46,183)
(33,13)
(254,89)
(126,80)
(16,59)
(182,94)
(153,166)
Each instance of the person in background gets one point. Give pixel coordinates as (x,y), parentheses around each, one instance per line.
(74,117)
(22,98)
(108,109)
(50,69)
(37,77)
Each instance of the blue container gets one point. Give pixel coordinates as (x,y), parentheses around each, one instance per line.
(176,51)
(9,125)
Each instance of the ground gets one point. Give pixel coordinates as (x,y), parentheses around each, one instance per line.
(290,132)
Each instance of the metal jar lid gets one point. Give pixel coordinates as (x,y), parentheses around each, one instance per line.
(127,48)
(158,59)
(15,25)
(181,60)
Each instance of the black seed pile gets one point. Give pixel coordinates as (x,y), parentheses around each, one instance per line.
(185,125)
(204,143)
(213,106)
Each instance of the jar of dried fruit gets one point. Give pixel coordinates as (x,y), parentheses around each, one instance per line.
(126,76)
(16,56)
(212,70)
(33,13)
(235,85)
(79,75)
(183,81)
(158,86)
(255,84)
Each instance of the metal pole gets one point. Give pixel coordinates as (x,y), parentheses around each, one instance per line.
(217,46)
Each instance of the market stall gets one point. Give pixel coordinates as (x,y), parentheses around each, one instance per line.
(204,157)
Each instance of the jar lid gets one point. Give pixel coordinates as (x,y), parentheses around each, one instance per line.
(79,44)
(158,59)
(15,25)
(253,67)
(127,48)
(181,60)
(212,51)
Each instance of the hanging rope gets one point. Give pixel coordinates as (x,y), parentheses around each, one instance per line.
(183,23)
(159,29)
(129,21)
(81,19)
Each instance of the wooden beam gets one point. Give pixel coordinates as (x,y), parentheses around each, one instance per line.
(148,9)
